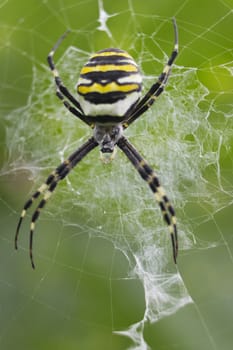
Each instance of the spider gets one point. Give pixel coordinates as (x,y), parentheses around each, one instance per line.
(109,100)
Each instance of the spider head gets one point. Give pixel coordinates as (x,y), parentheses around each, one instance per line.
(107,136)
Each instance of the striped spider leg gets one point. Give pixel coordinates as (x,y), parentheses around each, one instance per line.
(61,88)
(156,89)
(151,178)
(48,187)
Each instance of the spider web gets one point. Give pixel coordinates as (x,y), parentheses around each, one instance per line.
(103,254)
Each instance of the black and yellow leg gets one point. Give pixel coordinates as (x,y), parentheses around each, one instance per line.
(61,88)
(157,88)
(29,203)
(49,186)
(151,178)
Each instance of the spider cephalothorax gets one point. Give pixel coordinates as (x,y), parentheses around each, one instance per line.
(109,100)
(107,137)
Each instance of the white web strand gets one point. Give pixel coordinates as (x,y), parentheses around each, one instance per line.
(103,18)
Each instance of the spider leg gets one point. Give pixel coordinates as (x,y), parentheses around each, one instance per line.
(30,201)
(72,109)
(61,88)
(151,178)
(49,186)
(155,91)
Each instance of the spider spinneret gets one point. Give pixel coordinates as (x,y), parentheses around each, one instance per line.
(109,100)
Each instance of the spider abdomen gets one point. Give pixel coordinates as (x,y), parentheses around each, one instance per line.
(109,85)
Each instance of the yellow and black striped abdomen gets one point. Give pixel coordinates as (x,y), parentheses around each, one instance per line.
(109,85)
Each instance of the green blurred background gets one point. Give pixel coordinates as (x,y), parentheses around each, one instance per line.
(82,289)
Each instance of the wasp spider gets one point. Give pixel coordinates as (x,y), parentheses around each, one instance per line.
(108,100)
